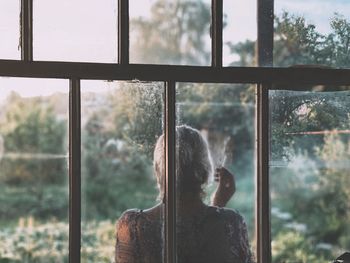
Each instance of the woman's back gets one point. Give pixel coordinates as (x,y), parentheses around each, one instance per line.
(210,235)
(203,233)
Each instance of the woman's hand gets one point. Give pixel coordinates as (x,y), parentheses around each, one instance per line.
(226,187)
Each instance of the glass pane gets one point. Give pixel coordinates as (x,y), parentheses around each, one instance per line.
(121,122)
(312,32)
(223,116)
(9,29)
(239,37)
(75,30)
(33,170)
(170,32)
(309,174)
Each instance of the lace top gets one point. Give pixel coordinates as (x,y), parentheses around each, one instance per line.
(213,235)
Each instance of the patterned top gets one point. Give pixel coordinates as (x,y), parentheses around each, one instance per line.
(213,235)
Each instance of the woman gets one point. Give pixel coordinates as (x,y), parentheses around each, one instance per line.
(204,233)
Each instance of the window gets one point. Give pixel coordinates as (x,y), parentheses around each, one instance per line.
(196,70)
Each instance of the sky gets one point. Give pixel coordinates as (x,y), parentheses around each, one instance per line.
(85,30)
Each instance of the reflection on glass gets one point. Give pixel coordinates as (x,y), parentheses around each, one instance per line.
(309,174)
(239,33)
(223,115)
(75,30)
(312,32)
(33,170)
(121,122)
(9,29)
(170,32)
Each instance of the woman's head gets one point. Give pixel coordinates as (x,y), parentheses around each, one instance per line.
(193,161)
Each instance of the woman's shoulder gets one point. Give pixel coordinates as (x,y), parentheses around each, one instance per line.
(225,213)
(138,216)
(130,214)
(126,220)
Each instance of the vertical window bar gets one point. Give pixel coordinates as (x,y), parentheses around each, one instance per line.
(74,171)
(123,32)
(262,182)
(216,32)
(26,30)
(264,53)
(265,33)
(170,191)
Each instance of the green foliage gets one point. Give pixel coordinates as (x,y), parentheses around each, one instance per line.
(138,114)
(292,246)
(293,112)
(174,33)
(219,109)
(119,137)
(42,201)
(48,243)
(31,128)
(297,42)
(33,172)
(316,178)
(246,52)
(118,144)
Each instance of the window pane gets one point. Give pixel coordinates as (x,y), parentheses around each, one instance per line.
(121,122)
(224,115)
(309,174)
(170,32)
(312,32)
(33,170)
(75,30)
(9,29)
(239,33)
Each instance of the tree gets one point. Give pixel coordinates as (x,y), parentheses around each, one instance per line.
(297,42)
(33,172)
(118,143)
(31,128)
(174,34)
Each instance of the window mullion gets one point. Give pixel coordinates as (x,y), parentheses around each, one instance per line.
(265,32)
(170,191)
(263,235)
(123,32)
(264,54)
(27,30)
(74,171)
(216,32)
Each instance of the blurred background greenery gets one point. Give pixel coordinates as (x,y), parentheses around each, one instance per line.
(122,120)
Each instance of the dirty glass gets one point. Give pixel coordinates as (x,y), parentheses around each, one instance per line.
(224,115)
(312,32)
(75,30)
(9,29)
(309,174)
(121,122)
(170,32)
(239,33)
(33,170)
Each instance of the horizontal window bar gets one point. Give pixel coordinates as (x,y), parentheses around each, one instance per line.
(293,75)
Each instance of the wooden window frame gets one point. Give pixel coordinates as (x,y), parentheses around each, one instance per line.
(264,75)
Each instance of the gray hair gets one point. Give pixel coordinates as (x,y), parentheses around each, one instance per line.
(193,161)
